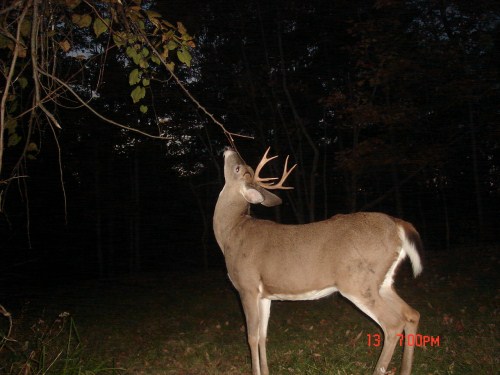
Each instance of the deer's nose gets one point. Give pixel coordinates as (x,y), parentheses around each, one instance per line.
(227,150)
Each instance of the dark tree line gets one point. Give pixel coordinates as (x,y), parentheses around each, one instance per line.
(385,105)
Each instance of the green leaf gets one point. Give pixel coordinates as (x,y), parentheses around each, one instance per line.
(146,82)
(120,39)
(184,56)
(131,52)
(134,55)
(11,125)
(31,150)
(81,20)
(32,147)
(12,106)
(23,82)
(26,28)
(143,108)
(138,93)
(14,139)
(137,59)
(171,45)
(72,4)
(167,36)
(134,77)
(155,59)
(145,52)
(143,63)
(6,42)
(100,26)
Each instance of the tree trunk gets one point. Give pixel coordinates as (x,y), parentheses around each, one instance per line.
(475,171)
(98,217)
(135,263)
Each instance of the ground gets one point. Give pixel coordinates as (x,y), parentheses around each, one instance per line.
(191,323)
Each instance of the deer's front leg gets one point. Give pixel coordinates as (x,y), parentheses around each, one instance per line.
(250,304)
(264,312)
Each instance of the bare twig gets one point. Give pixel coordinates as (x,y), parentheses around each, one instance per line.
(35,67)
(6,337)
(86,105)
(8,180)
(229,135)
(8,82)
(13,6)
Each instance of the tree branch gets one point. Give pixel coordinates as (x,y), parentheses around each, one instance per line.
(89,107)
(8,83)
(229,135)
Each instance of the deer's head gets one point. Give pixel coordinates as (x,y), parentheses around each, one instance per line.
(241,179)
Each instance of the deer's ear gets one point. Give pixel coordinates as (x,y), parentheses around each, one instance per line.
(252,195)
(270,199)
(260,195)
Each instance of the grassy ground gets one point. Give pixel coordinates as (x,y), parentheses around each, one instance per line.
(191,323)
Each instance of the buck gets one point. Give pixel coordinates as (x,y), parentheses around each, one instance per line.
(356,255)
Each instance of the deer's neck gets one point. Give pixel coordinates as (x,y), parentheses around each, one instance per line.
(229,213)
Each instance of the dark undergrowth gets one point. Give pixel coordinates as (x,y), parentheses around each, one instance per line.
(191,323)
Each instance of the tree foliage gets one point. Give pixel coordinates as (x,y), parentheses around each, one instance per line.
(38,38)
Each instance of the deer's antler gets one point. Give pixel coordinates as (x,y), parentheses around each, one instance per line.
(264,182)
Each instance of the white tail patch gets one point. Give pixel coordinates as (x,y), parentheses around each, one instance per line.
(408,248)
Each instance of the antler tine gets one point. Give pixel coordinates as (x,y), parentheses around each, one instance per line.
(263,181)
(261,164)
(286,173)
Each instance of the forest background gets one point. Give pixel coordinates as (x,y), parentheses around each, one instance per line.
(386,106)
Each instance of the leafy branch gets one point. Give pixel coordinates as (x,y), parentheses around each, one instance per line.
(36,36)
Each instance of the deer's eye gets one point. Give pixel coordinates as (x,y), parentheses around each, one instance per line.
(237,169)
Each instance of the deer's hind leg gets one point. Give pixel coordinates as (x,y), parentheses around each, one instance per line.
(410,318)
(393,315)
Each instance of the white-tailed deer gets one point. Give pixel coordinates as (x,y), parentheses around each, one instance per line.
(356,255)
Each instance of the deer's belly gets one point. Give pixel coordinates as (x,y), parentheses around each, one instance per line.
(305,296)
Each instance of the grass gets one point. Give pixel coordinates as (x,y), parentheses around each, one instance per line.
(192,324)
(47,347)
